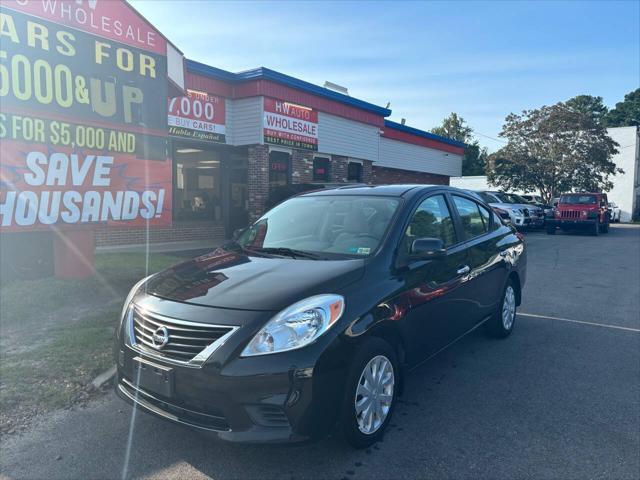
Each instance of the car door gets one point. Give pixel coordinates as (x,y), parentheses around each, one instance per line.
(433,290)
(486,247)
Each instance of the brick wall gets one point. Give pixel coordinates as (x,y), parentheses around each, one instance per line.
(302,163)
(258,179)
(177,232)
(367,171)
(384,175)
(338,173)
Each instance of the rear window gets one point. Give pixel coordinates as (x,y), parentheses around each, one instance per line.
(577,199)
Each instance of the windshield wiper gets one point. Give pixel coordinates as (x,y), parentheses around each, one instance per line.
(290,252)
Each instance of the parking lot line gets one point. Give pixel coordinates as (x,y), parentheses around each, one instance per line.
(615,327)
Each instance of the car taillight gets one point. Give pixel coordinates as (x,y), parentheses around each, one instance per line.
(520,235)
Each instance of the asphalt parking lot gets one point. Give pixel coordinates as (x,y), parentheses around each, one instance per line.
(560,398)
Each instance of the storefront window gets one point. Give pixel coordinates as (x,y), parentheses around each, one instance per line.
(279,168)
(321,169)
(197,184)
(354,172)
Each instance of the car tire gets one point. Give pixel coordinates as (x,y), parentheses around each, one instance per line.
(596,230)
(501,324)
(605,228)
(551,230)
(361,426)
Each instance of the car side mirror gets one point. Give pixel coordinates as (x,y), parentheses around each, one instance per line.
(427,249)
(237,233)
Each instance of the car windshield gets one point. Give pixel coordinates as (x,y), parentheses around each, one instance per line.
(328,226)
(505,197)
(519,199)
(487,197)
(577,199)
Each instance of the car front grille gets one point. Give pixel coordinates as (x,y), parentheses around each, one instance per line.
(176,340)
(570,214)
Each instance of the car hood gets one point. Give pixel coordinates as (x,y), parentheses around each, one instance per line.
(233,280)
(520,206)
(577,206)
(504,206)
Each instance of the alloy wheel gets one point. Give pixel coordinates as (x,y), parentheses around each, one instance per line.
(374,394)
(508,308)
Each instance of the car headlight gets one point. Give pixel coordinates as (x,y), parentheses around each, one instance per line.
(132,293)
(297,326)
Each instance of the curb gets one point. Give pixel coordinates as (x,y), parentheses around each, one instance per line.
(104,377)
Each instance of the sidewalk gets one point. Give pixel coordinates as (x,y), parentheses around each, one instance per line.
(164,247)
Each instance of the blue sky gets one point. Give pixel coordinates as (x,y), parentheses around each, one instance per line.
(482,60)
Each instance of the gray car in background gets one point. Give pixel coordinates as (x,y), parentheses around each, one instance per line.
(532,212)
(519,217)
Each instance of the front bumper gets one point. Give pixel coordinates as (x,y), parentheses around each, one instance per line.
(270,398)
(520,221)
(571,223)
(537,220)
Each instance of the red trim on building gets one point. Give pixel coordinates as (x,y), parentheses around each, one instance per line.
(423,142)
(288,94)
(281,92)
(209,85)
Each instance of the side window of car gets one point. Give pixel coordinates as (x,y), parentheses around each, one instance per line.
(473,222)
(497,221)
(431,219)
(488,217)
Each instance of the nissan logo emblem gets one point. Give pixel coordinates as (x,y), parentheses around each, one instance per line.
(160,337)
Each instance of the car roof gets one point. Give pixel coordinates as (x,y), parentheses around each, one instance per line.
(584,193)
(402,190)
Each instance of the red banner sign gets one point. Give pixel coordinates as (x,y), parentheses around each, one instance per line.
(290,125)
(111,19)
(197,115)
(83,92)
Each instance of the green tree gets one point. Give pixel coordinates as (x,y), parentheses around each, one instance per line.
(474,161)
(625,113)
(553,149)
(456,128)
(588,105)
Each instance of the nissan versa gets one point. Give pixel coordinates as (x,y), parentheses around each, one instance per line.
(310,318)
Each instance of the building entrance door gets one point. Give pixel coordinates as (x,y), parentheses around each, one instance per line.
(237,196)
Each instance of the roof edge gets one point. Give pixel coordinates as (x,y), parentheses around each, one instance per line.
(422,133)
(263,73)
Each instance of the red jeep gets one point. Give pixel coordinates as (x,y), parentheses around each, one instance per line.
(587,211)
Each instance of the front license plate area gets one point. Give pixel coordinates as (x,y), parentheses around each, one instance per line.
(152,377)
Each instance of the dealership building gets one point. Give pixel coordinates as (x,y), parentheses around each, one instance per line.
(145,146)
(235,137)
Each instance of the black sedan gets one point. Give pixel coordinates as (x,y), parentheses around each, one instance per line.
(312,316)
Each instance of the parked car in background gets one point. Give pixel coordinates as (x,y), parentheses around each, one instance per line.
(315,313)
(615,212)
(503,214)
(587,211)
(536,212)
(538,201)
(533,198)
(517,216)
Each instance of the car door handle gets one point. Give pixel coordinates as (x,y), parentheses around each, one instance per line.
(463,270)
